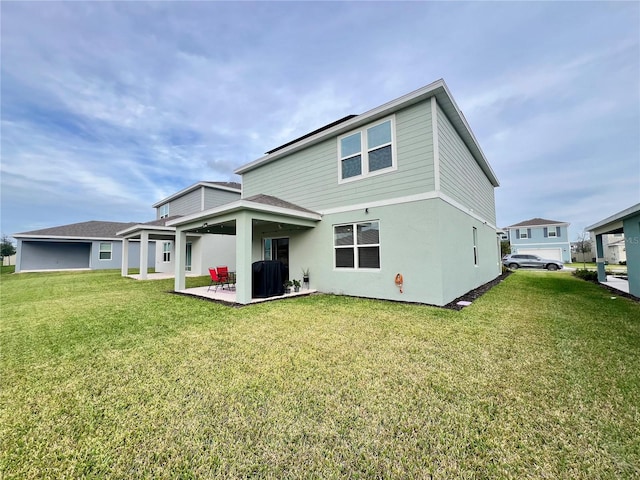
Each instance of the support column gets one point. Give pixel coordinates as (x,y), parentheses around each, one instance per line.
(244,235)
(125,257)
(602,276)
(18,256)
(144,254)
(180,253)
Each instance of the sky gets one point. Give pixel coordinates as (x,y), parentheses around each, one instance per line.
(109,107)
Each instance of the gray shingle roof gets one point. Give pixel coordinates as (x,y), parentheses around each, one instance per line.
(228,184)
(91,229)
(277,202)
(534,222)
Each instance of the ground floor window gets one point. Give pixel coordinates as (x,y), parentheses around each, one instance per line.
(357,245)
(105,251)
(166,252)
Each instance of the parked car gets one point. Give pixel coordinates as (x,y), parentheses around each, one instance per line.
(514,261)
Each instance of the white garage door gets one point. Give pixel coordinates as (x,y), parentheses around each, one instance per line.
(550,253)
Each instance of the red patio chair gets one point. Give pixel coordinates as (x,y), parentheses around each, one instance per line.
(215,279)
(223,275)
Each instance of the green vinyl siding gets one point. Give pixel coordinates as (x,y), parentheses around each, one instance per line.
(186,204)
(310,177)
(214,197)
(460,175)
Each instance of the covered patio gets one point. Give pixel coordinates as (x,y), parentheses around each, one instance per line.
(241,219)
(627,222)
(155,230)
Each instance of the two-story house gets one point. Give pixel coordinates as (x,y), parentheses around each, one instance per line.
(538,236)
(401,189)
(100,245)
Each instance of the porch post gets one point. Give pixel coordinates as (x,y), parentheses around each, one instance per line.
(602,276)
(144,254)
(244,234)
(181,247)
(125,257)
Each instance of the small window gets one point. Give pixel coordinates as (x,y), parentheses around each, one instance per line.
(475,246)
(524,235)
(105,251)
(357,245)
(552,233)
(164,211)
(166,252)
(367,152)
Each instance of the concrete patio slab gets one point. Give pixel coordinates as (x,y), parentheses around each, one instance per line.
(229,295)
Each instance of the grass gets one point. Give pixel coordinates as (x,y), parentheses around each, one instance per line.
(108,377)
(592,266)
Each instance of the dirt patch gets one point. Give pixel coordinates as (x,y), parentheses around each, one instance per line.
(476,293)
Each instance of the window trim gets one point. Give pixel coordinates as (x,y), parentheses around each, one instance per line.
(100,251)
(166,253)
(364,151)
(164,210)
(356,267)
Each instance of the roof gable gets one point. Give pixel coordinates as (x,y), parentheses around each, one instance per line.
(437,89)
(234,187)
(537,222)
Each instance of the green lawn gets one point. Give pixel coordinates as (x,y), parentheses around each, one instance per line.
(108,377)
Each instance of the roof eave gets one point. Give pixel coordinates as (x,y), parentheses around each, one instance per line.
(245,205)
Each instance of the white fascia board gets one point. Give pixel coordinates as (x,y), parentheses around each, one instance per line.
(193,187)
(408,199)
(615,217)
(243,205)
(67,237)
(138,228)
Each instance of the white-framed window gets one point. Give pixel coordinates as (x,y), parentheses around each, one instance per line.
(106,249)
(524,235)
(367,152)
(357,245)
(166,252)
(475,246)
(164,211)
(552,233)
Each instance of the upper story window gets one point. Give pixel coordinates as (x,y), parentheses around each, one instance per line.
(105,251)
(357,245)
(164,211)
(367,152)
(524,235)
(552,232)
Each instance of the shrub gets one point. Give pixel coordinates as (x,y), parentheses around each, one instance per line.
(589,275)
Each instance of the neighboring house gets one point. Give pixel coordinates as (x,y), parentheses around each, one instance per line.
(401,189)
(615,250)
(99,245)
(92,245)
(201,251)
(626,222)
(538,236)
